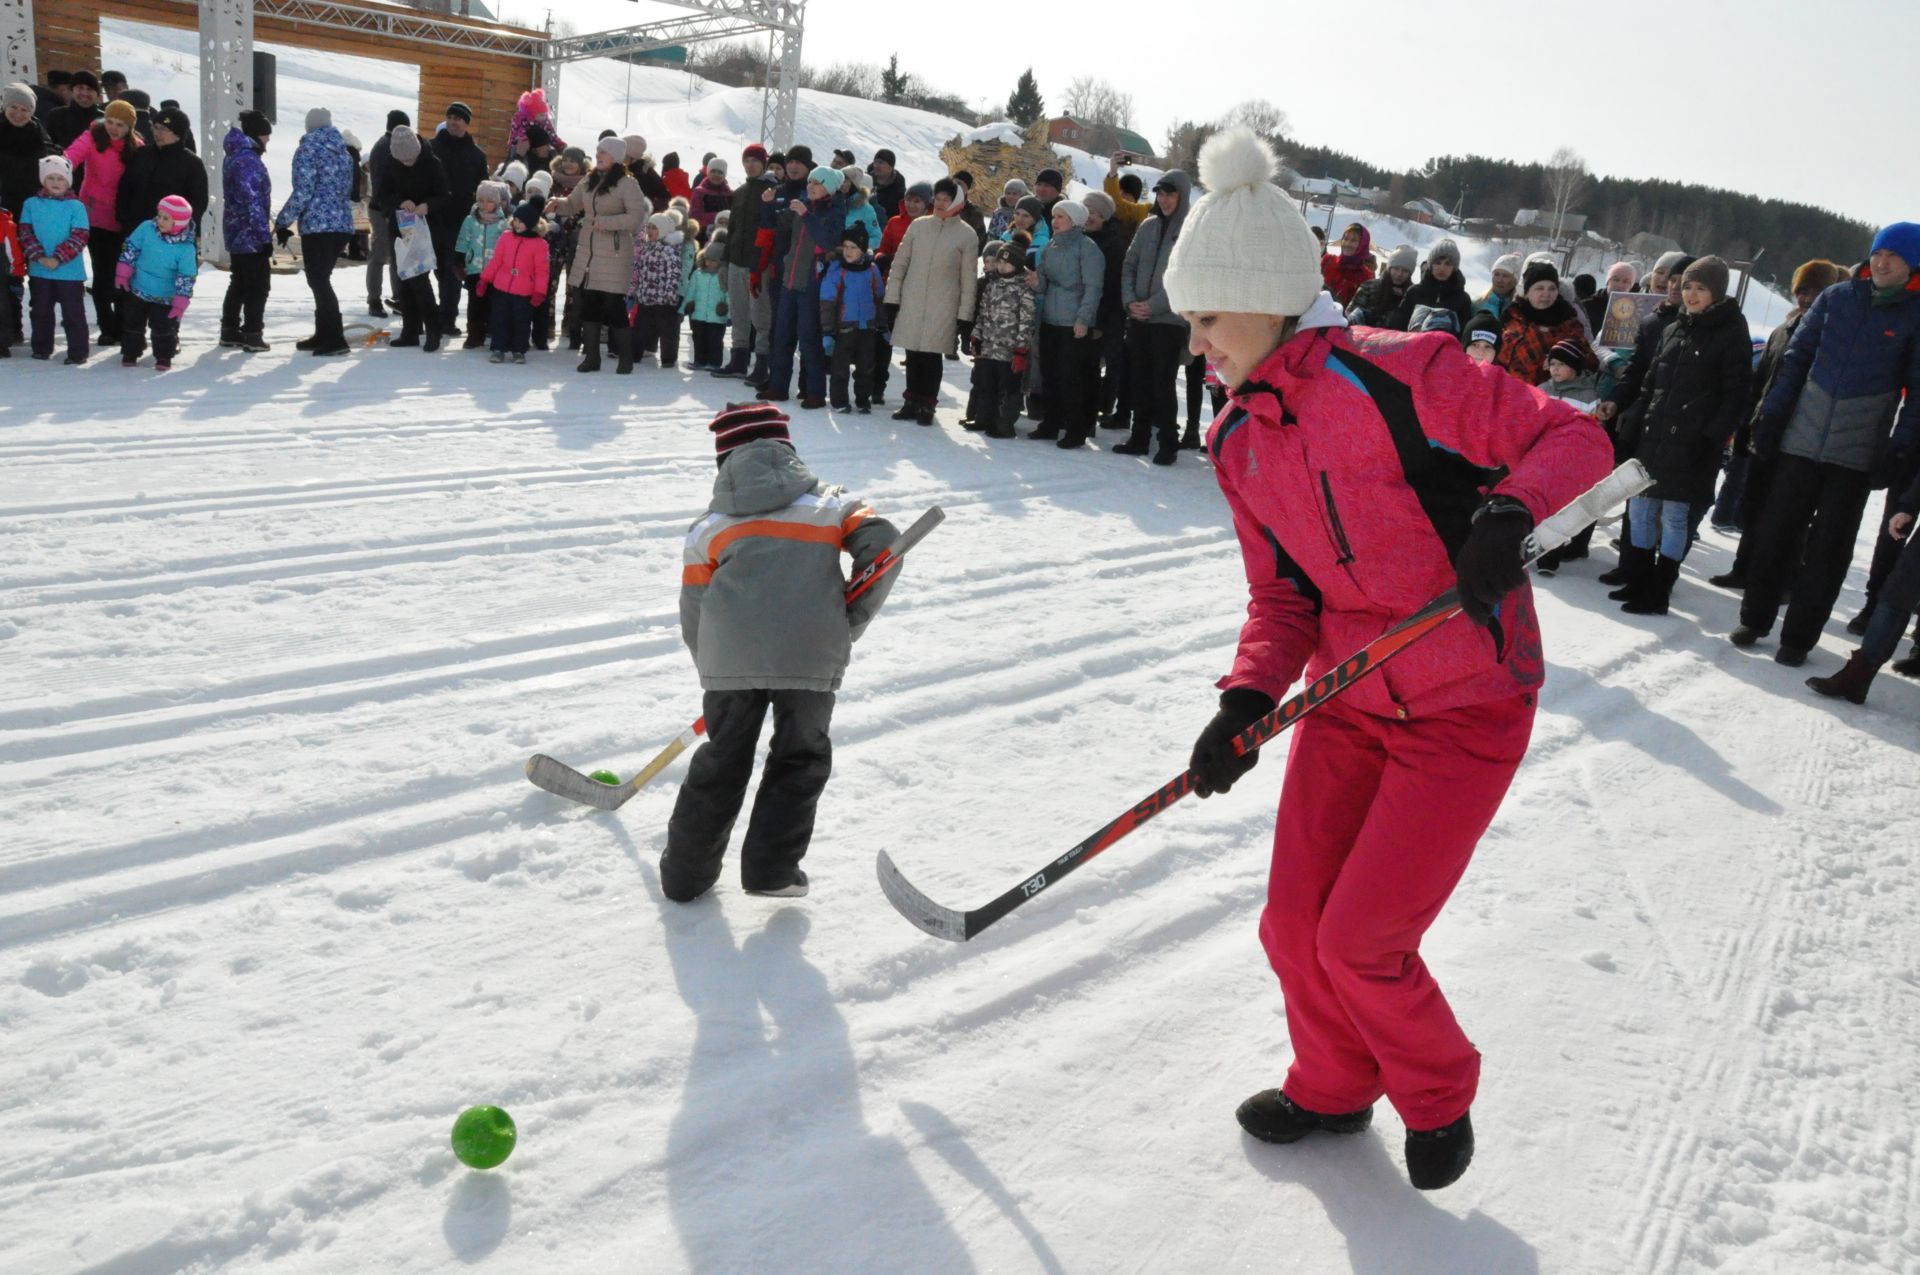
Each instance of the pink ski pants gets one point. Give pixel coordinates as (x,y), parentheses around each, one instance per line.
(1378,820)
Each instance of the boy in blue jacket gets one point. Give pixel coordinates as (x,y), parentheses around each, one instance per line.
(850,295)
(53,234)
(156,271)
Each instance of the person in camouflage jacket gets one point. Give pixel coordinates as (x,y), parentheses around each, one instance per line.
(1003,318)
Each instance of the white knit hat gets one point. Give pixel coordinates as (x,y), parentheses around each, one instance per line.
(1074,211)
(51,165)
(1510,262)
(515,175)
(613,148)
(1245,248)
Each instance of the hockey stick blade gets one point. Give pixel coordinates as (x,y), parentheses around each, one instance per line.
(940,922)
(1627,481)
(563,780)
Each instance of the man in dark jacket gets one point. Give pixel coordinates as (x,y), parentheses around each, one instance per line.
(465,166)
(1111,395)
(65,124)
(165,168)
(1827,421)
(809,226)
(1440,287)
(749,309)
(415,184)
(889,187)
(1156,335)
(1745,492)
(380,236)
(51,96)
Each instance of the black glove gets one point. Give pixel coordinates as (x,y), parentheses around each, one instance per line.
(1216,767)
(282,235)
(1489,565)
(893,315)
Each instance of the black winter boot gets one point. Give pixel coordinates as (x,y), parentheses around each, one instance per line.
(229,337)
(758,376)
(589,348)
(1191,441)
(1437,1157)
(1635,566)
(1655,590)
(623,350)
(1851,682)
(1271,1116)
(1910,666)
(737,364)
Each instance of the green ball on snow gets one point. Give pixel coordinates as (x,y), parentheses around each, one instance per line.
(483,1137)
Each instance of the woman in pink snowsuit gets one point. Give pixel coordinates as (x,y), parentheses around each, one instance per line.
(1367,472)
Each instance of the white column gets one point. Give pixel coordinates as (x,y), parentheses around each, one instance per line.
(16,42)
(786,88)
(226,89)
(550,81)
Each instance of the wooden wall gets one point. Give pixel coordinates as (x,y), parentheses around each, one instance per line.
(67,37)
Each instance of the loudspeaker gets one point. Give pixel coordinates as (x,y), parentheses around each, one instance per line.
(266,90)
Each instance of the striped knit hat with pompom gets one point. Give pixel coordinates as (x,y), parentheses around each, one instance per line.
(741,423)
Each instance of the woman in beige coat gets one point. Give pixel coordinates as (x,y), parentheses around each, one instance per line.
(612,210)
(931,288)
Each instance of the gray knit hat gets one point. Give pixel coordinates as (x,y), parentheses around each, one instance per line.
(1444,250)
(403,144)
(1404,257)
(1099,201)
(20,94)
(1073,210)
(319,117)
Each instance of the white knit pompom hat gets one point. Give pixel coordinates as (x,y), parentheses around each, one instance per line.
(1245,247)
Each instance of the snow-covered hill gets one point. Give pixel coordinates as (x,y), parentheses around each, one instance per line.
(276,901)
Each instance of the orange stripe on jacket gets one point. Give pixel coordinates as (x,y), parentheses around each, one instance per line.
(697,575)
(773,530)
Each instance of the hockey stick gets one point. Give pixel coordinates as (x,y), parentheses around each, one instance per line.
(563,780)
(947,923)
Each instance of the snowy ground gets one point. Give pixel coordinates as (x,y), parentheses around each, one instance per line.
(277,902)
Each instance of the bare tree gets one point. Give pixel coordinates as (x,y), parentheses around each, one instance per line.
(1566,178)
(1260,115)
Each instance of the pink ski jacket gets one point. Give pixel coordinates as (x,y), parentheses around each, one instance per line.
(1352,460)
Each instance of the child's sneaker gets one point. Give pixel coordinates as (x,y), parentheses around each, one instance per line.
(498,356)
(794,887)
(519,357)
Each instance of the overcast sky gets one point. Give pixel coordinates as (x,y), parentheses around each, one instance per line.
(1776,97)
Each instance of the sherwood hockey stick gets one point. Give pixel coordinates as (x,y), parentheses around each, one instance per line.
(563,780)
(945,923)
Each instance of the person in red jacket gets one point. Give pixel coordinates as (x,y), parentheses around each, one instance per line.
(1367,472)
(1343,272)
(516,274)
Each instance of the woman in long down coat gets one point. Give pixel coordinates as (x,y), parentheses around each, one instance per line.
(611,209)
(931,284)
(1367,471)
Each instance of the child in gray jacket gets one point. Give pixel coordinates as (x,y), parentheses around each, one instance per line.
(763,609)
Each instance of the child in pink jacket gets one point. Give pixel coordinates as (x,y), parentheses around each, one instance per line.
(515,280)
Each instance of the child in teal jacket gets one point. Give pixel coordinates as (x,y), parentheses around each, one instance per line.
(479,234)
(156,272)
(706,304)
(53,235)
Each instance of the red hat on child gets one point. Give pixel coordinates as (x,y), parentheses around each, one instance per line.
(177,208)
(741,423)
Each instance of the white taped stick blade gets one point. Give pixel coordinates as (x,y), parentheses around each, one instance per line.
(1588,508)
(940,922)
